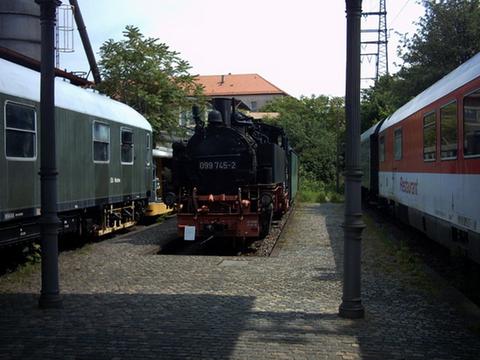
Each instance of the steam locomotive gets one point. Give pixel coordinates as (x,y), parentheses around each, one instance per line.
(232,177)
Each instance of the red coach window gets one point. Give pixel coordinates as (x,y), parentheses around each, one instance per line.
(429,137)
(397,146)
(448,131)
(471,124)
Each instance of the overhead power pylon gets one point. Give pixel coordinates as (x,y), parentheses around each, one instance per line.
(380,44)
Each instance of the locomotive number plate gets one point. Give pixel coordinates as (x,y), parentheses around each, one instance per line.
(217,165)
(189,233)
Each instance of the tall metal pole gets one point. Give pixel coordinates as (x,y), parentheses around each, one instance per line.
(82,30)
(351,306)
(50,293)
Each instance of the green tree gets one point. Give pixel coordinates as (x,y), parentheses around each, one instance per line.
(313,125)
(447,36)
(381,100)
(148,76)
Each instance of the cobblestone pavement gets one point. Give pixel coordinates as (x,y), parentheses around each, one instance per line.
(121,301)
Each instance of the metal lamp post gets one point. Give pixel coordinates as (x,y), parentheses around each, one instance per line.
(50,293)
(351,306)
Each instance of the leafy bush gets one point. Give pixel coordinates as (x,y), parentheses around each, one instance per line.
(312,190)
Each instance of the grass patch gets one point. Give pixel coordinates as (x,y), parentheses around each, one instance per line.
(29,262)
(392,255)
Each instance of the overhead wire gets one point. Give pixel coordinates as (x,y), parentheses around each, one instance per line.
(398,14)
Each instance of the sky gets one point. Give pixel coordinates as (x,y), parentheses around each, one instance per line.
(299,45)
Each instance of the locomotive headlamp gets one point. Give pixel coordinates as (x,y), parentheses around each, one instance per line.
(266,200)
(169,199)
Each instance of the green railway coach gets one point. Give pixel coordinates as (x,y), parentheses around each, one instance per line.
(104,158)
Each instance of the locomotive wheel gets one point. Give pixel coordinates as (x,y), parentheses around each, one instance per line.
(239,244)
(266,223)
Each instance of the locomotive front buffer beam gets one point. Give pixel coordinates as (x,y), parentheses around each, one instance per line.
(225,225)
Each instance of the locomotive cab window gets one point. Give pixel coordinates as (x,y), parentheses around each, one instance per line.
(101,142)
(126,146)
(381,148)
(429,137)
(448,131)
(20,132)
(471,124)
(397,145)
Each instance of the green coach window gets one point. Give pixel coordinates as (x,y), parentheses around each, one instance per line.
(101,142)
(126,146)
(471,124)
(20,132)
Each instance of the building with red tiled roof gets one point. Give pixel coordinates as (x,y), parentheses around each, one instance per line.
(252,89)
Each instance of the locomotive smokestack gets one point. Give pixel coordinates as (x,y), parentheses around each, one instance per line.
(224,106)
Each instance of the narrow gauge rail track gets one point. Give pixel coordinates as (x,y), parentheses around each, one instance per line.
(220,246)
(456,269)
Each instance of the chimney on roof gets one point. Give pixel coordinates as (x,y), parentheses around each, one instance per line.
(222,79)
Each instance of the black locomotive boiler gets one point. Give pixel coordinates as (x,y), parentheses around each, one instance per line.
(233,176)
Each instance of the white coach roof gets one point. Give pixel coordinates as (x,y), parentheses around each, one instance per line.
(463,74)
(24,83)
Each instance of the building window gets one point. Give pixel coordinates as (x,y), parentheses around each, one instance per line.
(429,137)
(126,146)
(448,131)
(471,124)
(253,105)
(381,148)
(101,142)
(20,132)
(397,145)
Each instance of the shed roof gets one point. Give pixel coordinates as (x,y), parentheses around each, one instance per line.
(237,84)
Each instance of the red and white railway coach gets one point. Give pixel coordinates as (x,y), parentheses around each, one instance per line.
(425,160)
